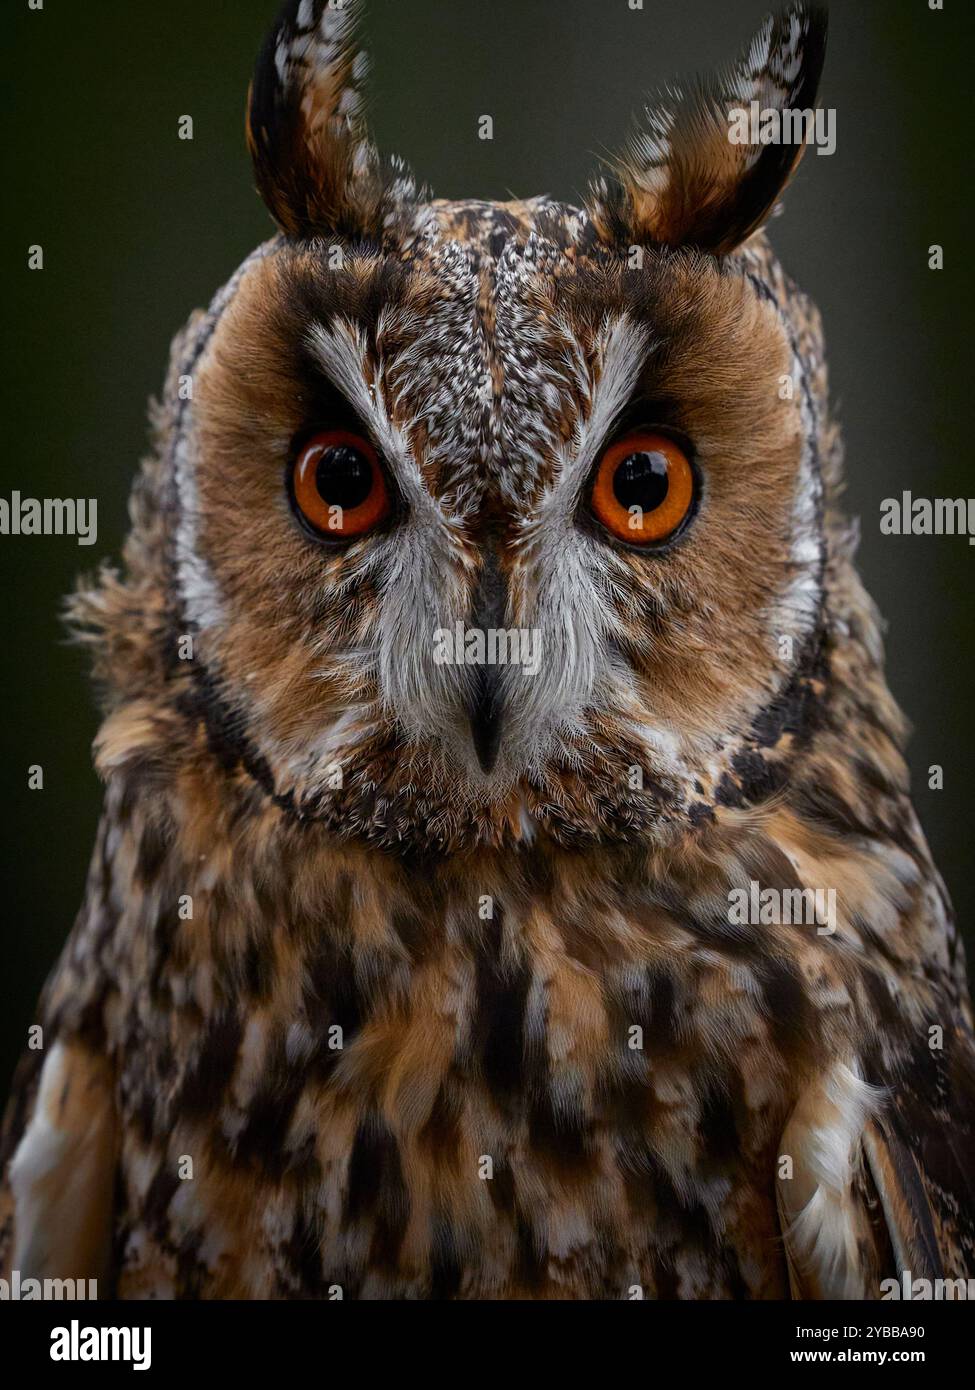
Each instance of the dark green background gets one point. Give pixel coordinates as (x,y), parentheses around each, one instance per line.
(139,227)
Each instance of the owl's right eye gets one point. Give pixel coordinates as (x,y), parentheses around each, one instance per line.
(645,489)
(338,487)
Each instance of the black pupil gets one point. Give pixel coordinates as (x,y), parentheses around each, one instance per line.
(343,477)
(641,481)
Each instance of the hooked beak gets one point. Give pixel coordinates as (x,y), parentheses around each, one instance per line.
(485,715)
(485,708)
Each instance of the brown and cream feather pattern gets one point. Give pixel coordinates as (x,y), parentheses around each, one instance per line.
(452,1025)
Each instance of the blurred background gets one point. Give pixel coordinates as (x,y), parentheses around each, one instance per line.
(139,227)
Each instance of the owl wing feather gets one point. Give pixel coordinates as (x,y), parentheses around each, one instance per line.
(60,1131)
(880,1179)
(903,1200)
(59,1181)
(921,1154)
(826,1222)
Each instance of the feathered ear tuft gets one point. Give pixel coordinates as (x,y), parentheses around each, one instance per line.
(685,178)
(317,170)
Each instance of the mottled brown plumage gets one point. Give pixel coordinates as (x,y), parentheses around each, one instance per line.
(428,1029)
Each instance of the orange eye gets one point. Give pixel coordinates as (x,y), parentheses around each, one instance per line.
(644,489)
(338,485)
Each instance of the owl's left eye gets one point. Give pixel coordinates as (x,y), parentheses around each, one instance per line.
(338,486)
(645,488)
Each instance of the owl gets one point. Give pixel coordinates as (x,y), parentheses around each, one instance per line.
(507,885)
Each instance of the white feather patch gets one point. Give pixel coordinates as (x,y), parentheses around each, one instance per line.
(816,1202)
(62,1172)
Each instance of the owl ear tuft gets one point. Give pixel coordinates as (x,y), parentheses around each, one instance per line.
(687,176)
(317,170)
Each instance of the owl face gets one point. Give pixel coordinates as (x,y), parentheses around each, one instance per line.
(492,520)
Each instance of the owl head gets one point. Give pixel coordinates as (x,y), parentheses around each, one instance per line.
(489,521)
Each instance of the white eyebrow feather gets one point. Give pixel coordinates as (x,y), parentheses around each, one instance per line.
(623,351)
(340,351)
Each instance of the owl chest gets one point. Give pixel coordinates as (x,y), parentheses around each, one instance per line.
(460,1118)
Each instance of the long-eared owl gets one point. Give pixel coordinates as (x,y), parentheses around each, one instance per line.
(507,885)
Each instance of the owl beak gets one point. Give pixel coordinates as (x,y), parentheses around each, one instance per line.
(485,714)
(485,707)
